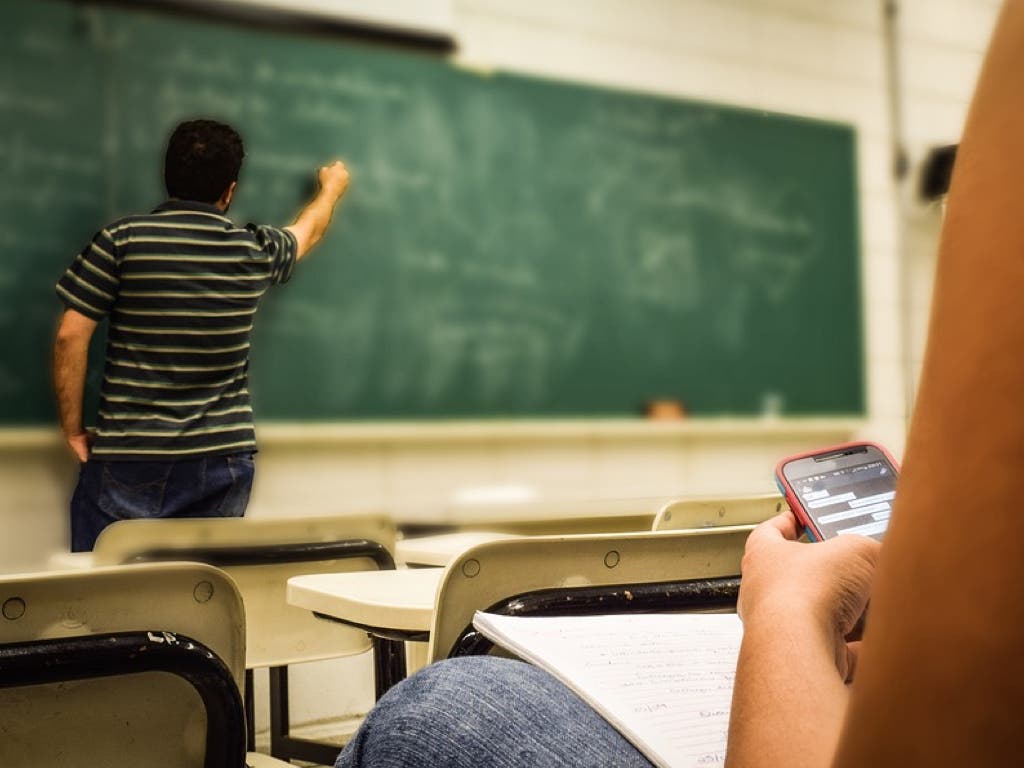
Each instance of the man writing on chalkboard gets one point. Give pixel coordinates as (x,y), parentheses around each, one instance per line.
(180,286)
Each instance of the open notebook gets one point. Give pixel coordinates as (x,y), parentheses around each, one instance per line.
(663,680)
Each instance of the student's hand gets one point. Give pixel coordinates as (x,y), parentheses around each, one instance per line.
(80,444)
(828,582)
(334,178)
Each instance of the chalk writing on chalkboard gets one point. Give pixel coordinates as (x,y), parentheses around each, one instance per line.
(510,245)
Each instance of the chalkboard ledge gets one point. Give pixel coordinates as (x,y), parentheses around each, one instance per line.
(275,433)
(30,439)
(281,433)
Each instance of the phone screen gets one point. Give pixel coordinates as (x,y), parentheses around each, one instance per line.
(852,495)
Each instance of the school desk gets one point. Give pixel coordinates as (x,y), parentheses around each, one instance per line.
(392,606)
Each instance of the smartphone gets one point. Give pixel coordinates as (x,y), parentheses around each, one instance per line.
(840,490)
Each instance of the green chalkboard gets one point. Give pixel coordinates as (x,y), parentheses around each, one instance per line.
(510,246)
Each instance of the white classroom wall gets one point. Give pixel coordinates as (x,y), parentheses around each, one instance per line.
(942,48)
(820,58)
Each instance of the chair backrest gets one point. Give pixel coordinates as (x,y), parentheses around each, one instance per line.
(564,517)
(261,555)
(713,512)
(489,573)
(149,714)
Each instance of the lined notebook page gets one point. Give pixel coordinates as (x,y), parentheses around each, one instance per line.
(663,680)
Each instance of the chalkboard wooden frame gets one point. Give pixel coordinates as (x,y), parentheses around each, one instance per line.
(279,19)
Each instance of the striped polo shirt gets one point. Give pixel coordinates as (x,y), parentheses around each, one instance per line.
(180,287)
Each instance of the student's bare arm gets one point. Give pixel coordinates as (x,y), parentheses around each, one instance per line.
(941,678)
(798,603)
(312,222)
(70,357)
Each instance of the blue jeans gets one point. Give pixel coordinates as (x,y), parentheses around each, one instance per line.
(485,712)
(108,491)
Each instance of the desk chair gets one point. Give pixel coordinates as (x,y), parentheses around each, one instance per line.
(438,550)
(546,518)
(136,666)
(678,514)
(260,555)
(713,512)
(585,574)
(568,517)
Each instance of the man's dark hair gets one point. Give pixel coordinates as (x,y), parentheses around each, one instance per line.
(203,158)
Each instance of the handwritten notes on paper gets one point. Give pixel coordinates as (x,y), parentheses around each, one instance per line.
(663,680)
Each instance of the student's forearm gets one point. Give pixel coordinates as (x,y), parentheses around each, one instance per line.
(789,699)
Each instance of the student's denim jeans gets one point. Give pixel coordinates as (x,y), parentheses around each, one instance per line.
(107,491)
(485,712)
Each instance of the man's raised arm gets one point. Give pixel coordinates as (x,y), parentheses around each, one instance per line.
(314,219)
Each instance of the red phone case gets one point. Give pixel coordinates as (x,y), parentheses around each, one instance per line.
(790,494)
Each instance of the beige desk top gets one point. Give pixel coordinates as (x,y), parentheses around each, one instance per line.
(397,600)
(470,514)
(70,561)
(442,549)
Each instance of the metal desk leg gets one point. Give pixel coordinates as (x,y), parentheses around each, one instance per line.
(388,663)
(250,712)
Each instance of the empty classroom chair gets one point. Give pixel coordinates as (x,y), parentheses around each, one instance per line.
(535,518)
(260,555)
(138,666)
(709,512)
(585,573)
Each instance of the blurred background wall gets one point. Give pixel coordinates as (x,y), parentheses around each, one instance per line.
(815,58)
